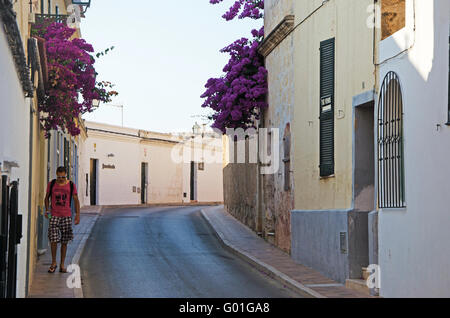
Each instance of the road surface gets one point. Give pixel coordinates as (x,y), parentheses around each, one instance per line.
(166,252)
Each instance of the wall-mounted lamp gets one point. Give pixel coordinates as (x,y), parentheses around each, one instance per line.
(95,103)
(196,129)
(84,4)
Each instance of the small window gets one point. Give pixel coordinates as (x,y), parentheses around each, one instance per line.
(393,17)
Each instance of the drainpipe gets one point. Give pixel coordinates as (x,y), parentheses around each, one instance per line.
(30,180)
(376,92)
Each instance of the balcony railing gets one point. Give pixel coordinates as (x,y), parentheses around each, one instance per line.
(60,18)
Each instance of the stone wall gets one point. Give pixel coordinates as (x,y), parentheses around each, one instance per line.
(277,198)
(392,17)
(240,192)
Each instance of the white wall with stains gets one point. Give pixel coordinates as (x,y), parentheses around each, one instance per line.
(414,250)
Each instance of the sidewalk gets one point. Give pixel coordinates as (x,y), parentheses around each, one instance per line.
(47,285)
(246,244)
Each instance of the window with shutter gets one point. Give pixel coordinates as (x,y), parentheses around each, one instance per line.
(327,68)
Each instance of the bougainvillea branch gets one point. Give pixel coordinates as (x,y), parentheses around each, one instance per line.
(72,78)
(240,94)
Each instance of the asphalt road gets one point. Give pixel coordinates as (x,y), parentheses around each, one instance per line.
(166,252)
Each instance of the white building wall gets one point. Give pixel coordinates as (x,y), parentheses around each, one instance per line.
(82,171)
(14,144)
(164,175)
(168,177)
(210,180)
(208,183)
(114,186)
(414,249)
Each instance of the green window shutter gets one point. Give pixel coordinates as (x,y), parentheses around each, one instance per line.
(327,76)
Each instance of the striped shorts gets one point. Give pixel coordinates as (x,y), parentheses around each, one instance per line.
(60,230)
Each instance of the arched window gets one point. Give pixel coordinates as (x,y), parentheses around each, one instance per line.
(391,176)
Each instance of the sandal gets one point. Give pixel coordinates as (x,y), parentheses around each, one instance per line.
(52,269)
(62,270)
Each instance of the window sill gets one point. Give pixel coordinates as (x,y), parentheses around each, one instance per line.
(328,177)
(391,210)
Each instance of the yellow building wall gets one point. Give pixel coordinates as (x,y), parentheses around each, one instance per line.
(354,74)
(39,143)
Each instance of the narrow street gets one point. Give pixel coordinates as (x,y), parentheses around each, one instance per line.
(166,252)
(223,149)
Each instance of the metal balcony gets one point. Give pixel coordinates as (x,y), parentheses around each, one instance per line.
(60,18)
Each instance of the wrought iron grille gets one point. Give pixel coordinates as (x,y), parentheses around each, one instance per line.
(60,18)
(391,185)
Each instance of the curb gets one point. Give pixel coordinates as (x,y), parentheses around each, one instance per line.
(263,267)
(78,292)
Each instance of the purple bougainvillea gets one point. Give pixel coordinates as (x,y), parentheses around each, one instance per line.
(72,78)
(240,94)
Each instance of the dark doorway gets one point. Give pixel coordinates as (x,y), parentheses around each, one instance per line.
(93,188)
(364,158)
(144,183)
(193,181)
(67,156)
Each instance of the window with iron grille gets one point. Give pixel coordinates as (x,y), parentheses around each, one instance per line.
(327,69)
(391,175)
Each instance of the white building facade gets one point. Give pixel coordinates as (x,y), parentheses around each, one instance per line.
(125,166)
(413,175)
(15,110)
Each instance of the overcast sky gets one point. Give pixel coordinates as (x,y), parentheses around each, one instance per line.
(165,51)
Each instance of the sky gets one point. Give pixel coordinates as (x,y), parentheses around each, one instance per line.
(164,53)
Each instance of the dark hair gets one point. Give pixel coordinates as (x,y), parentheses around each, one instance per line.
(61,170)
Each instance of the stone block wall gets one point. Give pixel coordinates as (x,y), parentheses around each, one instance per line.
(240,192)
